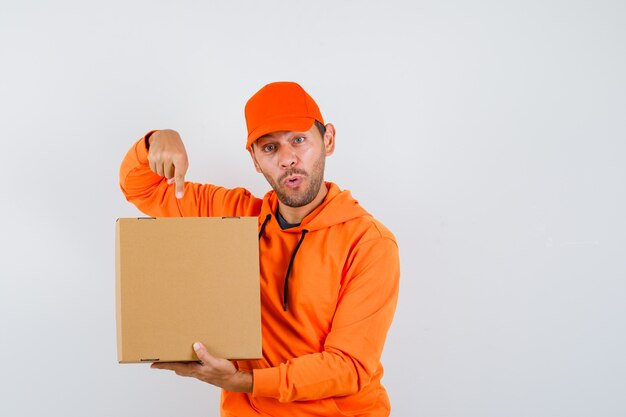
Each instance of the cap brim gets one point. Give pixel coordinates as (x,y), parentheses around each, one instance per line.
(294,124)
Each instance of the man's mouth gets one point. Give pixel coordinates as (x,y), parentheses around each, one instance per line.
(293,181)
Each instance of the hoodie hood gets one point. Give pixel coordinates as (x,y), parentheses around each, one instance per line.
(338,207)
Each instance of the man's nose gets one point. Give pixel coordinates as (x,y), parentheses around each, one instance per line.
(287,157)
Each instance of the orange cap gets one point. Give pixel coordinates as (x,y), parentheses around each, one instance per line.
(280,106)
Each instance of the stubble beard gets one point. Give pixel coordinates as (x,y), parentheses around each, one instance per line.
(300,199)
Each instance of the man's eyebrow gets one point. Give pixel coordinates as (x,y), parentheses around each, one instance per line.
(269,136)
(263,140)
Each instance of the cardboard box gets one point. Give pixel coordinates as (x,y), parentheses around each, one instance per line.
(181,280)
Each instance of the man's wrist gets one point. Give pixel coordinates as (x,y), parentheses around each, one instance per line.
(243,382)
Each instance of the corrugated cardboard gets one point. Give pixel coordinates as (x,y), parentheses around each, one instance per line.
(181,280)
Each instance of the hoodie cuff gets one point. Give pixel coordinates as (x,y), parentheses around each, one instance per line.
(266,382)
(146,139)
(141,149)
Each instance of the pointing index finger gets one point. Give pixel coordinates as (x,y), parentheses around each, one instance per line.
(180,186)
(180,169)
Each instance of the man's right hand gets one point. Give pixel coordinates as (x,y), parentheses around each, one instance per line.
(168,158)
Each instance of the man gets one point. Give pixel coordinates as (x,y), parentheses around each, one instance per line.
(329,270)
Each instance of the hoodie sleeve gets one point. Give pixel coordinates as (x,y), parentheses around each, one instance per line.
(151,193)
(352,350)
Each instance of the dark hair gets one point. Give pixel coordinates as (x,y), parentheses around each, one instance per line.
(321,128)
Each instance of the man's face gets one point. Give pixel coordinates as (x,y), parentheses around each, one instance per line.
(293,163)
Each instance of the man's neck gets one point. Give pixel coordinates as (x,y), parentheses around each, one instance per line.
(294,215)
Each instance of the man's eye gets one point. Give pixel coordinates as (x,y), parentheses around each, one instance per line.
(299,139)
(269,148)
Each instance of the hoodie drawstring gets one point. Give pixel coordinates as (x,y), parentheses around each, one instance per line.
(293,256)
(267,219)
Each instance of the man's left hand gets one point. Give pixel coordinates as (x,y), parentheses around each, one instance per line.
(215,371)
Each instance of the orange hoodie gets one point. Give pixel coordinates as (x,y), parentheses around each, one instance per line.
(328,293)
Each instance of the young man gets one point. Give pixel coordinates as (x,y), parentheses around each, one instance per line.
(329,270)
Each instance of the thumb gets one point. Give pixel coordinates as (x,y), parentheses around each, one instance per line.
(202,353)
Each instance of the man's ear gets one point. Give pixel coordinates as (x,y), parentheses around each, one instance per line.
(329,139)
(256,164)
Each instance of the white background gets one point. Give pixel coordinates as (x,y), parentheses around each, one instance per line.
(489,136)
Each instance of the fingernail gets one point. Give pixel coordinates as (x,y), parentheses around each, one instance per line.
(196,346)
(171,181)
(179,194)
